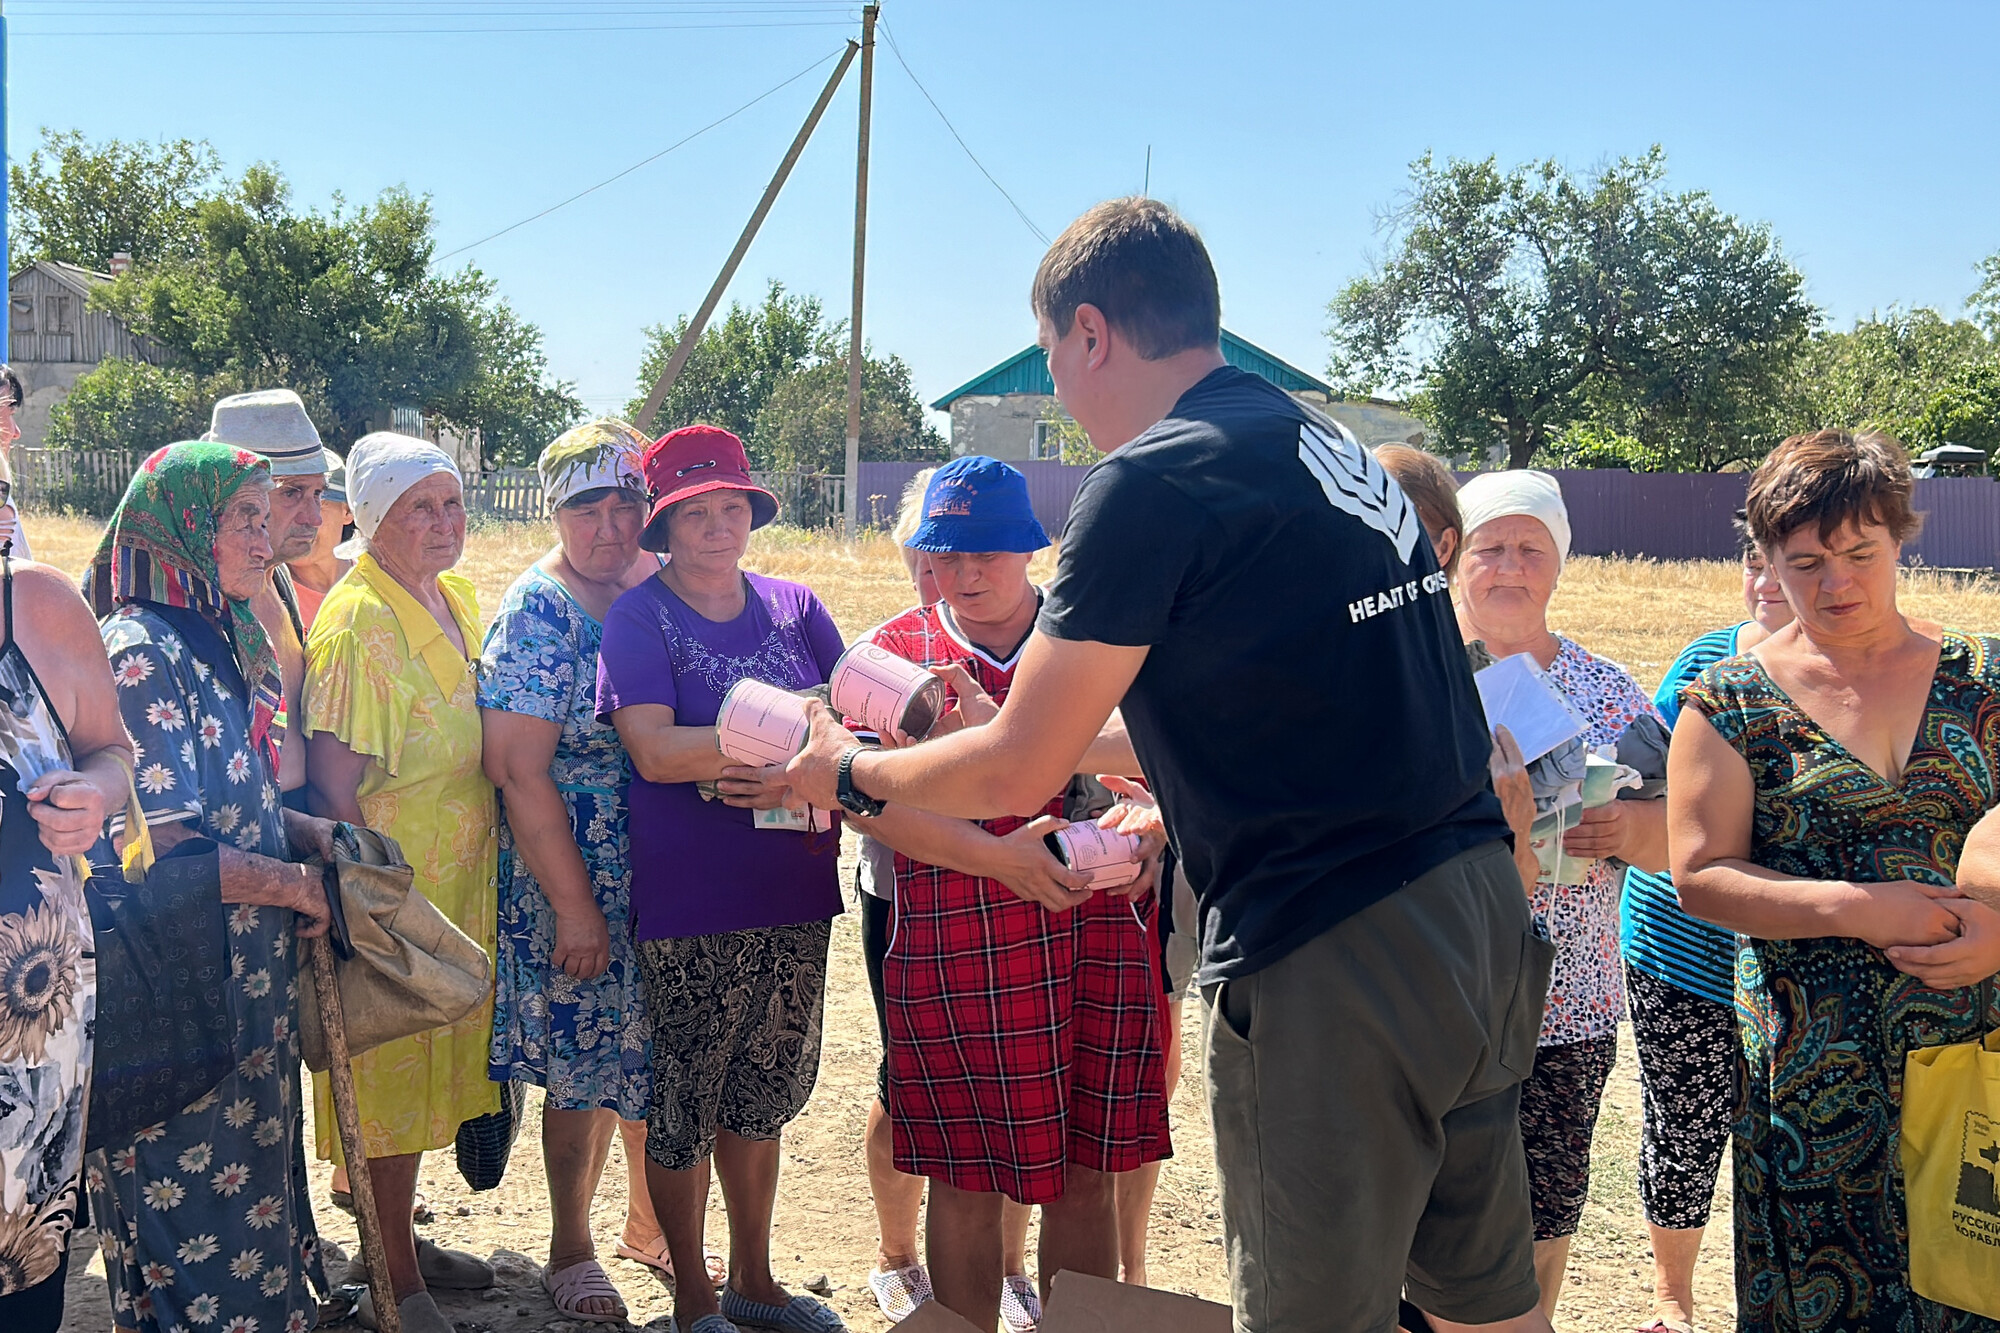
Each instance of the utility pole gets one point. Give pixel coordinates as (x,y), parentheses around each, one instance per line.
(851,489)
(708,304)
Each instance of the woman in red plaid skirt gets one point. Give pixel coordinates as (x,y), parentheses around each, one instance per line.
(1024,1010)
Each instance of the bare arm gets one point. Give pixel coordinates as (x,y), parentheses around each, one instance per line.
(664,752)
(61,641)
(1062,695)
(1112,751)
(1020,860)
(261,880)
(333,778)
(1711,802)
(517,751)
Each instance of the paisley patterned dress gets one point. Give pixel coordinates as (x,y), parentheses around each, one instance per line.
(587,1042)
(1821,1238)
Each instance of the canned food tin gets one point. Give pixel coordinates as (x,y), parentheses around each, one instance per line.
(1110,859)
(881,690)
(761,724)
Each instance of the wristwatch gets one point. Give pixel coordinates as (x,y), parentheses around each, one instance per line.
(853,799)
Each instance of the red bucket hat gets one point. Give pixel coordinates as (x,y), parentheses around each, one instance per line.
(695,460)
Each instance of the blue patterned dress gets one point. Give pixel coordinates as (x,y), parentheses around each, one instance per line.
(204,1219)
(587,1042)
(1822,1244)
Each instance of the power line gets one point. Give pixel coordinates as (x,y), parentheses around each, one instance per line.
(646,161)
(1019,212)
(406,32)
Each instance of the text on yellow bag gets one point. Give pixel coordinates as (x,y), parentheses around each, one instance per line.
(1951,1172)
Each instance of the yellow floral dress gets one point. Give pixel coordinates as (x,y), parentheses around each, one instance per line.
(383,677)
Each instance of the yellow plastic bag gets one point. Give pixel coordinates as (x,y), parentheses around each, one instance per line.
(1951,1172)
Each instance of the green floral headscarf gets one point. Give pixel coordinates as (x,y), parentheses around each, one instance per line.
(160,547)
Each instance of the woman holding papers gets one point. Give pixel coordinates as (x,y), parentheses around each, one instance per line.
(1516,539)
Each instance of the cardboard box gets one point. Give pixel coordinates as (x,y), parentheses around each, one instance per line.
(1081,1304)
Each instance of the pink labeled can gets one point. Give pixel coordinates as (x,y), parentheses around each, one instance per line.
(1110,859)
(761,724)
(880,690)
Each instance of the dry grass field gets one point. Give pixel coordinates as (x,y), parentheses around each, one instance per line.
(1636,612)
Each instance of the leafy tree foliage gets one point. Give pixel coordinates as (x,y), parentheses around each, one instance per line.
(1523,302)
(81,203)
(1074,440)
(344,308)
(776,375)
(1888,371)
(131,405)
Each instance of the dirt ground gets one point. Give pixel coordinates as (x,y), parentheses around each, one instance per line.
(1636,612)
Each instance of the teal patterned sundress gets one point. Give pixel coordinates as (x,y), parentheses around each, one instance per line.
(587,1042)
(1822,1242)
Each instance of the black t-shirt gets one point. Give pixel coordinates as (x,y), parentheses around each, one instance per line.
(1306,713)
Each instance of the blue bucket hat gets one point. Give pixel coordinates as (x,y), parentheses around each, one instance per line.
(978,503)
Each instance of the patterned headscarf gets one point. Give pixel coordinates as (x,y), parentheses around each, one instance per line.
(599,453)
(160,547)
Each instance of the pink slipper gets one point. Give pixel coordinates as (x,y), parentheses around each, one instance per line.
(581,1282)
(660,1261)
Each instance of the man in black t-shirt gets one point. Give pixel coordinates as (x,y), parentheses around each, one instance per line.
(1259,595)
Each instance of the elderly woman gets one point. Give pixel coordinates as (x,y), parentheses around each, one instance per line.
(64,761)
(1680,977)
(393,714)
(204,1217)
(568,1011)
(1516,540)
(733,919)
(1822,788)
(10,514)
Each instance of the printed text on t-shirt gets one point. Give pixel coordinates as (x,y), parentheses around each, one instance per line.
(1394,599)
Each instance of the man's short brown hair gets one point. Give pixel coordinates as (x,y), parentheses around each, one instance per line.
(1140,263)
(1830,478)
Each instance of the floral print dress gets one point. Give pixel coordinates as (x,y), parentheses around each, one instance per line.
(204,1218)
(1822,1242)
(587,1042)
(1587,987)
(47,995)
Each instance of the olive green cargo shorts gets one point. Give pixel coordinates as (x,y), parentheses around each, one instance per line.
(1365,1093)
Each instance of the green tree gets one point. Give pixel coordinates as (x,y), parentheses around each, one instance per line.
(1886,373)
(802,426)
(81,203)
(1519,303)
(130,405)
(1074,441)
(344,308)
(737,363)
(1985,301)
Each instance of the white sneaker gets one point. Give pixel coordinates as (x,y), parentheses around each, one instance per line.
(1020,1304)
(901,1291)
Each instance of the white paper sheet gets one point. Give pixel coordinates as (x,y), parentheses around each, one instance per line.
(1519,697)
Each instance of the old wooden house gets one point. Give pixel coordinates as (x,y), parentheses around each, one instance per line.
(53,337)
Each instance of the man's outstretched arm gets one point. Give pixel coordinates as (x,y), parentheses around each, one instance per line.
(1062,694)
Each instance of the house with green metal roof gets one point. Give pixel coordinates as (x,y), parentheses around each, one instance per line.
(1005,412)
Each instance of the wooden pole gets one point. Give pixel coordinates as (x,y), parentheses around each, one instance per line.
(347,1115)
(851,490)
(700,321)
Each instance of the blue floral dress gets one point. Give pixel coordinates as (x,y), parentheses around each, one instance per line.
(204,1218)
(587,1042)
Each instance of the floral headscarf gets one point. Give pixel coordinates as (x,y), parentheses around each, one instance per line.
(160,547)
(599,453)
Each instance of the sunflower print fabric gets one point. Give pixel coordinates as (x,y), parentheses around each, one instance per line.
(204,1218)
(48,999)
(1821,1236)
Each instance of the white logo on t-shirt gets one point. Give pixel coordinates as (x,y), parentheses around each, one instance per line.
(1356,484)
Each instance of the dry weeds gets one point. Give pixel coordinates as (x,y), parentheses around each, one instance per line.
(1636,612)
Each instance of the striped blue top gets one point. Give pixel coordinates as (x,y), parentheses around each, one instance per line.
(1654,935)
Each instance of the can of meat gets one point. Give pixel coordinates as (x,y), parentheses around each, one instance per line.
(761,724)
(1110,859)
(880,690)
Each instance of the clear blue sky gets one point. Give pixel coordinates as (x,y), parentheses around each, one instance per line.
(1865,135)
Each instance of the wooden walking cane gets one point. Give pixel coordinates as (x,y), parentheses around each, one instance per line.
(347,1115)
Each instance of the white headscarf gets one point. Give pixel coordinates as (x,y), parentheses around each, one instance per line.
(380,468)
(1537,495)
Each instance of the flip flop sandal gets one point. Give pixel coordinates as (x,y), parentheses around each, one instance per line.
(580,1282)
(1667,1326)
(801,1314)
(660,1261)
(420,1208)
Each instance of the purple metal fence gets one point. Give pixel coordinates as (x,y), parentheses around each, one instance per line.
(1660,515)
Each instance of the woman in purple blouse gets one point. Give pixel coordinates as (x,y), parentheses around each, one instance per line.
(732,920)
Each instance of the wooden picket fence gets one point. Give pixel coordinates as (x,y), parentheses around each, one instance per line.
(91,481)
